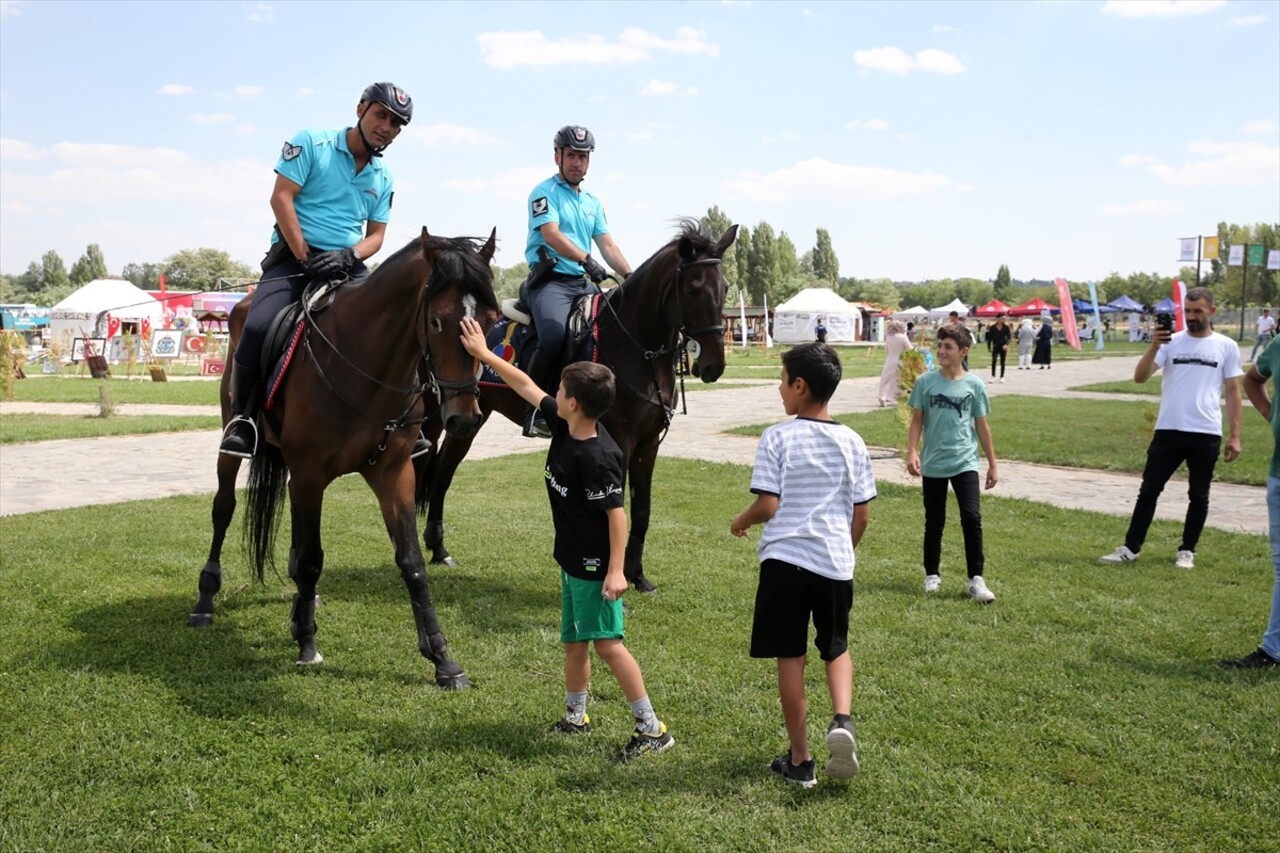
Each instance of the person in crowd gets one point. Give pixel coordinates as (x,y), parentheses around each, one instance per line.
(949,410)
(813,486)
(1043,355)
(1026,342)
(1265,329)
(954,321)
(1267,655)
(1135,327)
(331,202)
(911,332)
(820,330)
(564,221)
(1200,368)
(998,336)
(584,486)
(895,344)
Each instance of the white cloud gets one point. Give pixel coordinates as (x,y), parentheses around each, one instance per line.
(816,177)
(305,92)
(1210,146)
(666,87)
(1246,20)
(895,60)
(260,13)
(533,49)
(944,28)
(1160,8)
(212,118)
(247,91)
(510,185)
(10,9)
(1260,126)
(877,125)
(447,133)
(1145,207)
(1230,164)
(16,150)
(174,89)
(1138,160)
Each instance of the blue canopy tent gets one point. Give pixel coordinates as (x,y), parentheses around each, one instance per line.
(1124,303)
(1083,306)
(1164,306)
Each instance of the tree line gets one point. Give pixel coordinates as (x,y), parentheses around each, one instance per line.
(763,262)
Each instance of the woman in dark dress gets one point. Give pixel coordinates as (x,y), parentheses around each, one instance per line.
(1044,345)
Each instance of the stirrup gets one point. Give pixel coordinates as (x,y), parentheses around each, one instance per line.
(421,446)
(227,434)
(535,425)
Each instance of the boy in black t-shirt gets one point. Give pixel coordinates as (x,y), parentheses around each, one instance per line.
(584,486)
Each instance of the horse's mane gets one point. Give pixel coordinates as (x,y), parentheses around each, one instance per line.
(703,243)
(457,258)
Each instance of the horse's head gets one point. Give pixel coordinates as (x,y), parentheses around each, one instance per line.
(459,284)
(699,303)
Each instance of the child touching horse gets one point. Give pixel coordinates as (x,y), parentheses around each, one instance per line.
(584,484)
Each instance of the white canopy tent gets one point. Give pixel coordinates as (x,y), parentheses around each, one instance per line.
(794,321)
(915,312)
(83,309)
(945,311)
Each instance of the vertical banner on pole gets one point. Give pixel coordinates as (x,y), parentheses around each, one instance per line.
(1211,248)
(1097,320)
(768,338)
(1179,297)
(742,316)
(1273,259)
(1187,248)
(1069,329)
(1235,255)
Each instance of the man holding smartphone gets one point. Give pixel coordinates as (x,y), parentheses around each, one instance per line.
(1199,366)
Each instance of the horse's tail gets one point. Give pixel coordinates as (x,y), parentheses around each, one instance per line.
(268,477)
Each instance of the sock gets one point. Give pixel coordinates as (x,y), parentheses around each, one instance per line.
(843,720)
(646,720)
(575,706)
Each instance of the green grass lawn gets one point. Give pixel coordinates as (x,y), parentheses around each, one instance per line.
(83,389)
(1107,435)
(1081,711)
(19,428)
(1150,388)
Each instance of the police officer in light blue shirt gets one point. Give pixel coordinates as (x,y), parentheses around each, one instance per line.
(332,201)
(564,220)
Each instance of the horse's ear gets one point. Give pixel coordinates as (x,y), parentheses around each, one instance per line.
(490,246)
(726,240)
(426,244)
(685,248)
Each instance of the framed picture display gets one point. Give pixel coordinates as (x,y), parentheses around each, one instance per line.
(166,343)
(97,346)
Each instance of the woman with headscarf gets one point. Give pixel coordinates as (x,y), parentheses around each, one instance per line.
(895,344)
(1026,340)
(1044,345)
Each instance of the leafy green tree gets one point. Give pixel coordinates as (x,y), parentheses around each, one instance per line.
(762,269)
(741,251)
(786,263)
(715,223)
(878,291)
(9,291)
(1112,287)
(144,276)
(91,266)
(1004,285)
(31,282)
(825,264)
(200,269)
(53,272)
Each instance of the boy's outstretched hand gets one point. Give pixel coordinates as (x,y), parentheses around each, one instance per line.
(473,337)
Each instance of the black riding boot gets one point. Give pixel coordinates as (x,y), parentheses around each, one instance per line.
(542,371)
(241,435)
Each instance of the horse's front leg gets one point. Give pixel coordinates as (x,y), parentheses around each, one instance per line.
(306,562)
(641,476)
(440,472)
(224,507)
(394,489)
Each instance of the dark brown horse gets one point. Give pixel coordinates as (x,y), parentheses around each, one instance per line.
(672,300)
(353,402)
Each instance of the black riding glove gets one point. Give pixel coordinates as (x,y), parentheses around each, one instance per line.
(594,271)
(327,266)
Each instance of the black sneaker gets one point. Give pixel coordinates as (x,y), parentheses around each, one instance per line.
(803,774)
(842,741)
(643,743)
(1256,659)
(565,726)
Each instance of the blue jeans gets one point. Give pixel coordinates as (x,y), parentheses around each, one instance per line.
(1271,639)
(1260,343)
(1170,448)
(549,305)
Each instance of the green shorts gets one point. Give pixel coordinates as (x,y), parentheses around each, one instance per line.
(584,614)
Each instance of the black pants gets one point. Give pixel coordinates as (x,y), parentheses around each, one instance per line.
(968,491)
(280,286)
(997,356)
(1170,448)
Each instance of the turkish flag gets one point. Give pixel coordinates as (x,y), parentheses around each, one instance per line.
(162,284)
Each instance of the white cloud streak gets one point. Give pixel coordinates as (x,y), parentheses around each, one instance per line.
(174,89)
(877,125)
(895,60)
(661,88)
(1160,8)
(534,49)
(1246,20)
(260,13)
(447,133)
(819,178)
(1145,207)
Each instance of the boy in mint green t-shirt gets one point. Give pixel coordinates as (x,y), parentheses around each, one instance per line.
(949,408)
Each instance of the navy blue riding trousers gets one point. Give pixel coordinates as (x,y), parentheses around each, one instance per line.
(280,286)
(550,303)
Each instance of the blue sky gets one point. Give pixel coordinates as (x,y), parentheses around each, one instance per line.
(931,139)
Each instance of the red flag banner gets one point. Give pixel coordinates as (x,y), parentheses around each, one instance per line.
(1069,329)
(1179,296)
(162,283)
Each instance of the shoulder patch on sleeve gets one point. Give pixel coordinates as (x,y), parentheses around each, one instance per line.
(391,200)
(539,206)
(288,152)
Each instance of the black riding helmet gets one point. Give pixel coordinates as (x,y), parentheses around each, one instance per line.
(392,97)
(575,137)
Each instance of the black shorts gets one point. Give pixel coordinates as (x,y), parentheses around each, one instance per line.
(785,599)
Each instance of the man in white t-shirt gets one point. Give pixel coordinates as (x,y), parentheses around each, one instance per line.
(1199,366)
(1266,325)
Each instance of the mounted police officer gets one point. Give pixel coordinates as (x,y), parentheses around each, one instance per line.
(332,201)
(564,220)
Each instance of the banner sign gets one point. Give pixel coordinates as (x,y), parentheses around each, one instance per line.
(1097,321)
(1256,253)
(1179,297)
(1235,256)
(1069,329)
(1187,248)
(1210,246)
(1273,259)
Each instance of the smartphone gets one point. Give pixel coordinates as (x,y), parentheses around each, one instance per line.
(1165,321)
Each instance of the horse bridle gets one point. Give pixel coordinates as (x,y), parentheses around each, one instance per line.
(686,334)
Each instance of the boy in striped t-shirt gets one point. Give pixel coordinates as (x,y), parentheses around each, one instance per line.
(813,485)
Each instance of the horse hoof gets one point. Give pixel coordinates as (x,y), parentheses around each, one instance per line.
(314,659)
(200,620)
(642,584)
(453,682)
(448,562)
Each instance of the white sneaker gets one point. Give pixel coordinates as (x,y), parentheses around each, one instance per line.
(1119,555)
(932,583)
(1001,380)
(978,590)
(1186,560)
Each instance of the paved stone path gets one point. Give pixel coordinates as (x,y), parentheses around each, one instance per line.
(68,473)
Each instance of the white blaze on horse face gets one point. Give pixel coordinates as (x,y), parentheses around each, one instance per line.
(469,306)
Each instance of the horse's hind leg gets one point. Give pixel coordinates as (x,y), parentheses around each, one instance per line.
(224,507)
(306,562)
(395,497)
